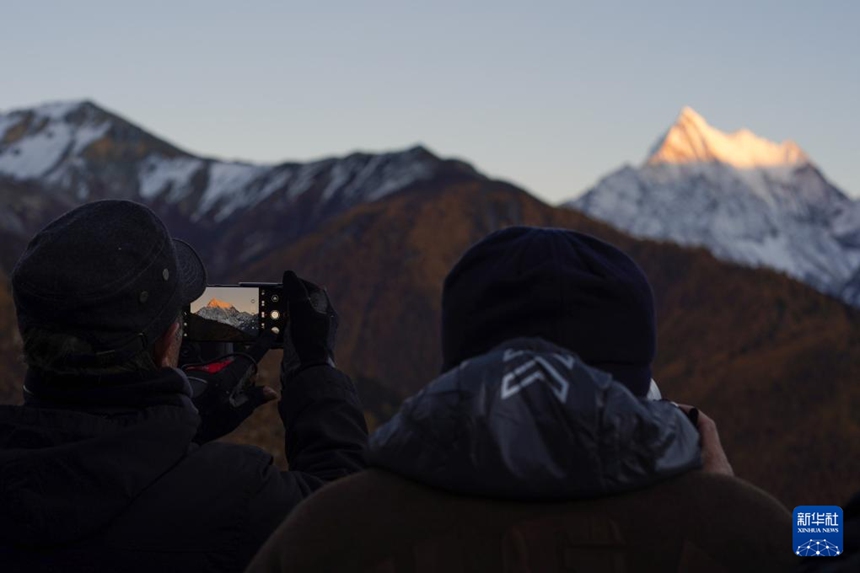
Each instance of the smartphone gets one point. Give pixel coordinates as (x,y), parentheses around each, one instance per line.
(236,313)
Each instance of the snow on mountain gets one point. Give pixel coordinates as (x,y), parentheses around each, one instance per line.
(692,140)
(77,151)
(349,180)
(33,143)
(158,173)
(744,198)
(226,313)
(86,152)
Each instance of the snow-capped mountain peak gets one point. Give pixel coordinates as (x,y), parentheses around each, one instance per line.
(56,110)
(692,140)
(57,144)
(226,313)
(744,198)
(34,142)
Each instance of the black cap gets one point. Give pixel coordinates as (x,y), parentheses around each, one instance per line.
(109,273)
(568,288)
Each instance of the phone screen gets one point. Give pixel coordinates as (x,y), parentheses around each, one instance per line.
(225,314)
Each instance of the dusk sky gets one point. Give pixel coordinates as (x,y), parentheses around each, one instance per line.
(548,95)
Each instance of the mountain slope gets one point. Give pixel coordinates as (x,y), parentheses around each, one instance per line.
(744,198)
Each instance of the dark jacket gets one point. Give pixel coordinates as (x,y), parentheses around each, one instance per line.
(525,459)
(530,420)
(119,485)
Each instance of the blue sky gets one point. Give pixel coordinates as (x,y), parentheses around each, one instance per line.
(549,95)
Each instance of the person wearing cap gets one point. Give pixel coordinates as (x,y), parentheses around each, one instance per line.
(110,463)
(538,448)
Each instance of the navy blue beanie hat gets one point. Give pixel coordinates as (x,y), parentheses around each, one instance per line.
(109,273)
(565,287)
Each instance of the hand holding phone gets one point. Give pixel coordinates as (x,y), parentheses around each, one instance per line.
(714,459)
(225,393)
(312,328)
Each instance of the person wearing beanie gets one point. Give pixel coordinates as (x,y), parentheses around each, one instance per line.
(539,448)
(564,287)
(110,464)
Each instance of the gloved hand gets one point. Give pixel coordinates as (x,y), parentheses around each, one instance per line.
(310,337)
(224,390)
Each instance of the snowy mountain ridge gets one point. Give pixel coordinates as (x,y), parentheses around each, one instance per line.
(68,153)
(61,145)
(230,315)
(744,198)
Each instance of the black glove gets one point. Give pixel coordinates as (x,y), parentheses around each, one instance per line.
(689,411)
(310,336)
(224,390)
(693,416)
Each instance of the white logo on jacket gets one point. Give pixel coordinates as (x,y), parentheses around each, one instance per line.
(537,369)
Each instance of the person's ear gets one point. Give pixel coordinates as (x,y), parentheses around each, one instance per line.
(165,351)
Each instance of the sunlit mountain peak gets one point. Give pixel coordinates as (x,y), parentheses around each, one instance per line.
(692,140)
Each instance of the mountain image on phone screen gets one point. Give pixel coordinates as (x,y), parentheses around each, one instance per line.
(225,314)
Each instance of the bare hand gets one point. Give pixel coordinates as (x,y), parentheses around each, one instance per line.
(714,458)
